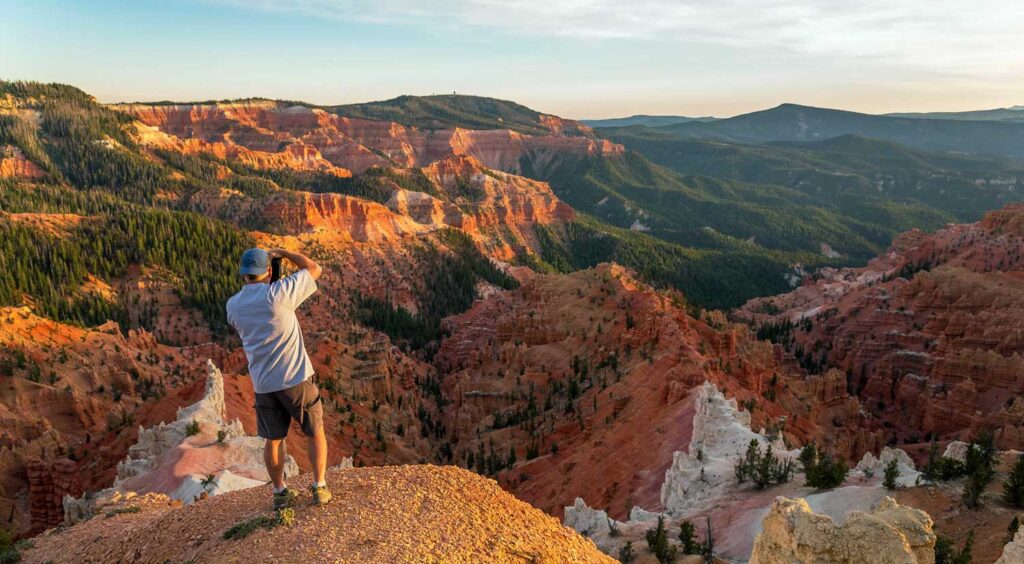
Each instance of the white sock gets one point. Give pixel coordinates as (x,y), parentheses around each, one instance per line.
(321,484)
(283,488)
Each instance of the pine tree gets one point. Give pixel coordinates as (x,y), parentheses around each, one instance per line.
(1013,487)
(657,541)
(688,538)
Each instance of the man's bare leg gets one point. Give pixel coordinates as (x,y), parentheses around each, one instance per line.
(318,455)
(273,457)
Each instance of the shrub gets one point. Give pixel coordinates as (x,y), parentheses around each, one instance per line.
(8,548)
(946,553)
(820,470)
(892,471)
(123,511)
(764,469)
(1011,531)
(192,428)
(973,488)
(284,517)
(222,435)
(626,554)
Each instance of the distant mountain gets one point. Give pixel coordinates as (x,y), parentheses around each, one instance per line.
(1015,113)
(456,110)
(649,121)
(842,171)
(790,122)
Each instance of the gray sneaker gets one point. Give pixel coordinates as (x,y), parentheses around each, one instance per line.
(321,496)
(285,498)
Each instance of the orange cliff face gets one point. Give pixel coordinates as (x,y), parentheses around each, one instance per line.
(469,191)
(499,210)
(13,164)
(352,144)
(588,378)
(339,217)
(930,334)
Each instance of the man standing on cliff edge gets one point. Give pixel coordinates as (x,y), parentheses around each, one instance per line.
(263,313)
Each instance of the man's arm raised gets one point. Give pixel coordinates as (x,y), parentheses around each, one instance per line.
(299,260)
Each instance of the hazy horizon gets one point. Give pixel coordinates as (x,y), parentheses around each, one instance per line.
(585,59)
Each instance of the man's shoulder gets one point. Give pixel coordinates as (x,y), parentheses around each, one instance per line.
(233,301)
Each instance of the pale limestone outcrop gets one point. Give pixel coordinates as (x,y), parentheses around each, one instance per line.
(957,450)
(721,435)
(224,458)
(873,466)
(593,523)
(1013,552)
(890,534)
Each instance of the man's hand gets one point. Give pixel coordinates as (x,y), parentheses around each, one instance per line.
(299,260)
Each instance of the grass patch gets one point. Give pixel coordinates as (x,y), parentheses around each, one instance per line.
(123,511)
(285,517)
(10,551)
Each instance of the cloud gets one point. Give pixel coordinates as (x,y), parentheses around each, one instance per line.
(976,36)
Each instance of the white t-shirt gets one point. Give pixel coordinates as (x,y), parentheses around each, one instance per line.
(264,316)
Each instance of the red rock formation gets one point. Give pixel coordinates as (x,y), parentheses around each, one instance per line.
(13,164)
(930,334)
(344,217)
(48,483)
(70,392)
(350,143)
(593,371)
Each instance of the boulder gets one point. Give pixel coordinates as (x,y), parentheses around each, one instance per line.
(890,534)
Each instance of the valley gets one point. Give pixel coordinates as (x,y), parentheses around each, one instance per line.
(598,321)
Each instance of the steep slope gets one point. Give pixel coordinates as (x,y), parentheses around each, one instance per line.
(70,404)
(386,514)
(791,122)
(929,334)
(580,385)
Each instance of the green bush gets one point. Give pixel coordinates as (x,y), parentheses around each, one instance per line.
(285,517)
(821,470)
(892,472)
(10,550)
(763,469)
(192,428)
(946,553)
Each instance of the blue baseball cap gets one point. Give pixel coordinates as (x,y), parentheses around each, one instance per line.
(254,261)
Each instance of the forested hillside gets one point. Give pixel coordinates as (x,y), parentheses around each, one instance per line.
(849,174)
(443,111)
(105,204)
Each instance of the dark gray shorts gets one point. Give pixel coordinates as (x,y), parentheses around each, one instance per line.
(276,410)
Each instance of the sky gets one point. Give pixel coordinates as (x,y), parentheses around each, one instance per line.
(573,58)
